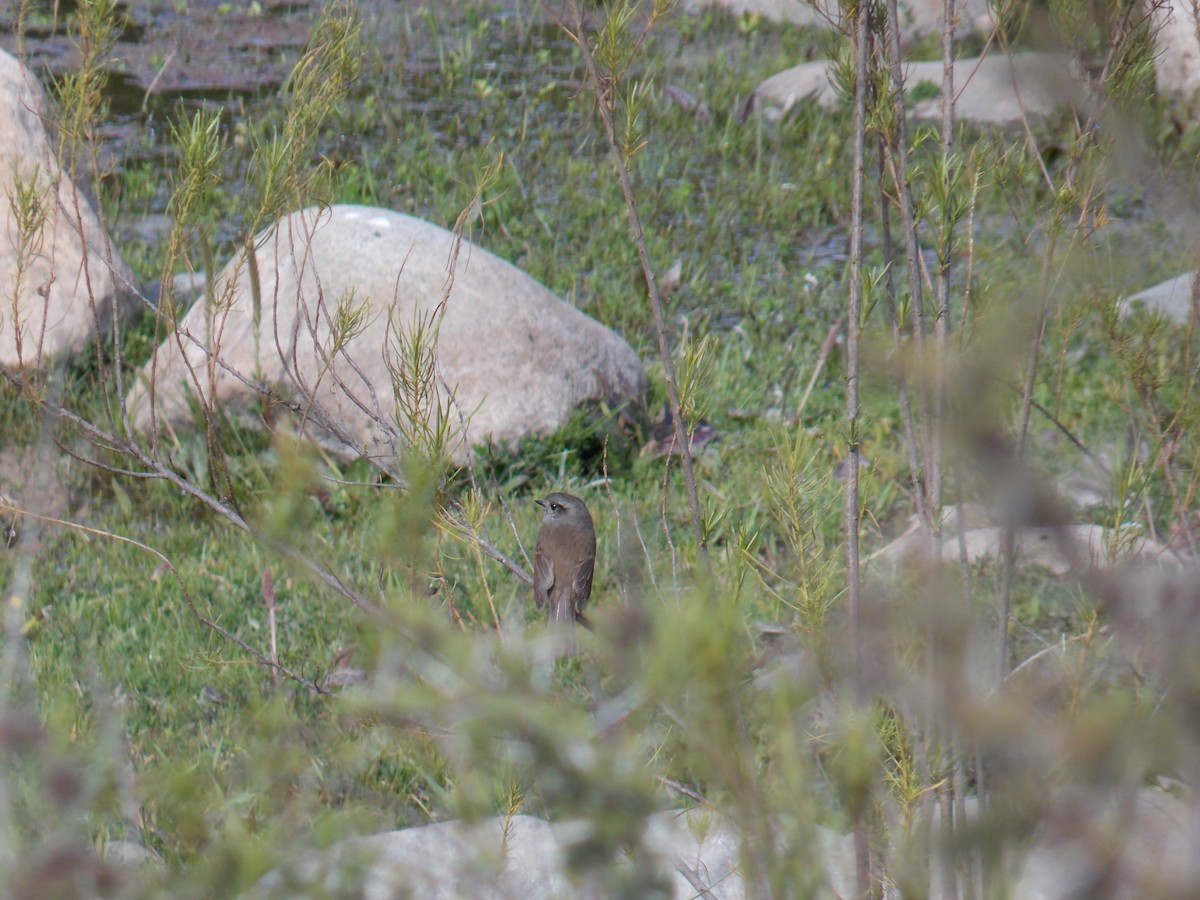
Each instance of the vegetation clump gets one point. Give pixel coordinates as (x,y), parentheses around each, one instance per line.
(228,647)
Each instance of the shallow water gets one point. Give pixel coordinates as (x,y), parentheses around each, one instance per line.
(172,57)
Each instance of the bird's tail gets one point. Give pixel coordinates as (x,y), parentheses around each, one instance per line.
(563,616)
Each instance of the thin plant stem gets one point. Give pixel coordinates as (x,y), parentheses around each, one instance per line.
(822,357)
(898,163)
(941,328)
(1047,288)
(862,852)
(942,319)
(911,443)
(603,89)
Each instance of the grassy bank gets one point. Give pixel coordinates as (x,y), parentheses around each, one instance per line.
(180,739)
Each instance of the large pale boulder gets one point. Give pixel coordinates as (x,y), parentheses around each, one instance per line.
(1177,62)
(1138,842)
(515,359)
(1058,549)
(1117,843)
(59,274)
(992,90)
(523,857)
(1171,298)
(499,857)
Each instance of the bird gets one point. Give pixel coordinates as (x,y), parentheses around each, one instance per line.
(565,559)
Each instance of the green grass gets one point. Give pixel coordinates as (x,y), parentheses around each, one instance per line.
(237,771)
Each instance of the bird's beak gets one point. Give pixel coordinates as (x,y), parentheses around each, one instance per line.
(541,503)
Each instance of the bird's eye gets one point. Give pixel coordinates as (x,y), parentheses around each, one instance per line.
(555,507)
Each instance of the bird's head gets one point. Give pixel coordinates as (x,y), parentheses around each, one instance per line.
(562,508)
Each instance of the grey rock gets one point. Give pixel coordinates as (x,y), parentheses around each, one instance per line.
(51,275)
(780,93)
(991,90)
(188,287)
(1177,62)
(496,858)
(522,856)
(1060,550)
(1140,843)
(699,851)
(1172,298)
(516,358)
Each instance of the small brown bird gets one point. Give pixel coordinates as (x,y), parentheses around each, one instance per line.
(565,559)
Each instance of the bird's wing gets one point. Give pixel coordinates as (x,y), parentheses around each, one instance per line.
(582,582)
(543,577)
